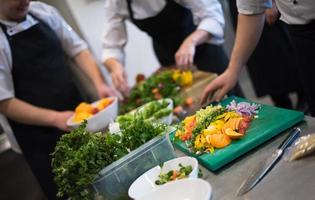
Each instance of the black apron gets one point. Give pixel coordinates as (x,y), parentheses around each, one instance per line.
(271,67)
(168,30)
(41,77)
(303,38)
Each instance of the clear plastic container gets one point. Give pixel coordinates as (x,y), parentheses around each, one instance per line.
(114,180)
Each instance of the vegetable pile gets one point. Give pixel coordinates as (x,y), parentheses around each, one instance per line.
(173,175)
(216,126)
(165,84)
(80,155)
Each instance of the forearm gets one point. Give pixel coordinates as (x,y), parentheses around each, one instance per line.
(87,63)
(112,64)
(197,37)
(26,113)
(249,29)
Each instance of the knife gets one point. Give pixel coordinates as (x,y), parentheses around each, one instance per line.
(265,166)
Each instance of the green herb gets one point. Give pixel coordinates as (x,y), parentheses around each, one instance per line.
(80,155)
(139,132)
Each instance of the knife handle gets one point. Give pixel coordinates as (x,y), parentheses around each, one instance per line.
(290,138)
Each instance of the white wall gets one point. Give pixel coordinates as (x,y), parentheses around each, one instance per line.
(140,58)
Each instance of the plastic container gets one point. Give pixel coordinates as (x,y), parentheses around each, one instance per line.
(114,180)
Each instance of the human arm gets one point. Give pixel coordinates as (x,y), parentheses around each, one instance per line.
(26,113)
(18,110)
(249,29)
(208,17)
(272,14)
(113,42)
(118,75)
(185,54)
(87,63)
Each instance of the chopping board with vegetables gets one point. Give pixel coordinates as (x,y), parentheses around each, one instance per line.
(171,83)
(269,122)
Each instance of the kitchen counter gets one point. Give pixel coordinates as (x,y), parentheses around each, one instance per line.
(286,181)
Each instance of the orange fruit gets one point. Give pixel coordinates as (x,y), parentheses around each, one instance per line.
(233,134)
(102,104)
(79,117)
(218,140)
(84,107)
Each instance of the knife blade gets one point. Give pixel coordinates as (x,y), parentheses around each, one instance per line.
(265,166)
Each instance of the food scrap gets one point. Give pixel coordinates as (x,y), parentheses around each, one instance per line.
(173,175)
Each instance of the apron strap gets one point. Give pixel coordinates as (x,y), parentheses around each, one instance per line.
(131,13)
(4,29)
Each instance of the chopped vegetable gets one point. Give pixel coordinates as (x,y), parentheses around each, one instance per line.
(216,126)
(173,175)
(244,108)
(158,86)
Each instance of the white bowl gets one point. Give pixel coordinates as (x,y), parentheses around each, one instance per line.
(146,182)
(185,189)
(100,120)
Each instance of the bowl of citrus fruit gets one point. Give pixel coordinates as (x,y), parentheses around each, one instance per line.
(98,114)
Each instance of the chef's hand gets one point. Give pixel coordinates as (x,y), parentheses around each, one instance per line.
(272,14)
(184,56)
(219,87)
(60,120)
(104,90)
(119,79)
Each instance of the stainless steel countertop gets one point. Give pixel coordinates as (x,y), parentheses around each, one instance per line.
(286,181)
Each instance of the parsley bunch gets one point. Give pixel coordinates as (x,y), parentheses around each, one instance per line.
(80,155)
(139,131)
(78,158)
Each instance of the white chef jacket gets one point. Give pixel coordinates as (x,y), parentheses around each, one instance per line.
(292,11)
(71,42)
(207,15)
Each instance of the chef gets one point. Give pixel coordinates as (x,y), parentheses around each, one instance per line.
(36,87)
(300,17)
(184,32)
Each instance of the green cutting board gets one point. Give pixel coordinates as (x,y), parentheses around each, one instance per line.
(270,122)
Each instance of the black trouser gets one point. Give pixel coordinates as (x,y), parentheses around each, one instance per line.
(303,38)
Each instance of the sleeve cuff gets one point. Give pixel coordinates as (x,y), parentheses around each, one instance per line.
(251,7)
(113,53)
(6,95)
(214,28)
(77,48)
